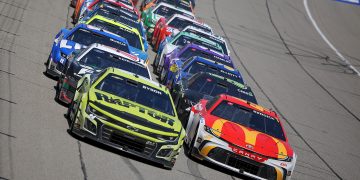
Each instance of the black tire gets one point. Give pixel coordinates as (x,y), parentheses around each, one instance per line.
(162,75)
(67,115)
(72,121)
(58,89)
(155,62)
(191,146)
(47,63)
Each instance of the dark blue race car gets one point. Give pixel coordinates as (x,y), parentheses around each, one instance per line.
(81,36)
(185,69)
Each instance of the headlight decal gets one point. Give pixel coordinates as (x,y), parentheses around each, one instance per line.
(205,151)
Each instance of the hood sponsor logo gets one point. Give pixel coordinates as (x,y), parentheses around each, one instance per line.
(128,104)
(63,44)
(247,154)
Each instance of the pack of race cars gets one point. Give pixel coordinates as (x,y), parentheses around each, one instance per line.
(102,66)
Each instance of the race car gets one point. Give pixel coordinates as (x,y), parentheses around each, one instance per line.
(127,112)
(179,41)
(84,5)
(119,16)
(93,59)
(133,36)
(186,5)
(180,70)
(172,26)
(206,85)
(93,9)
(191,50)
(152,15)
(82,35)
(217,39)
(73,3)
(240,136)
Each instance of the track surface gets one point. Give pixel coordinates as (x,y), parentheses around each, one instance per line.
(273,42)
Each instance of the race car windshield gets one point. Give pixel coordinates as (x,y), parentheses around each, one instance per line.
(183,39)
(213,86)
(249,118)
(191,52)
(107,3)
(180,4)
(180,24)
(197,66)
(86,38)
(113,12)
(137,92)
(166,12)
(133,39)
(99,59)
(122,19)
(216,40)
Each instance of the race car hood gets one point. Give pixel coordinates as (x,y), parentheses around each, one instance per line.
(137,52)
(132,113)
(239,136)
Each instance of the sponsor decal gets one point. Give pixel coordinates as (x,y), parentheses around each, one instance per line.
(247,154)
(264,115)
(129,104)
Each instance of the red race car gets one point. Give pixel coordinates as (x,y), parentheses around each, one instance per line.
(240,136)
(173,25)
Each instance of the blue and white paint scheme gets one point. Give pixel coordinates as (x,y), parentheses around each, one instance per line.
(66,42)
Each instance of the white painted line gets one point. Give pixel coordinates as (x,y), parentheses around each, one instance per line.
(351,1)
(327,40)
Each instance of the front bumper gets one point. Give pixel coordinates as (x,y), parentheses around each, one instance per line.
(164,153)
(219,153)
(52,70)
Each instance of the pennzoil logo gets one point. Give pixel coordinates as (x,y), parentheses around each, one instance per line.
(128,104)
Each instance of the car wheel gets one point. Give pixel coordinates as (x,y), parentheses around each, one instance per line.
(156,61)
(163,75)
(73,119)
(48,64)
(191,146)
(58,90)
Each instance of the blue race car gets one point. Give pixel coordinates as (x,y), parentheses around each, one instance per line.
(184,69)
(81,36)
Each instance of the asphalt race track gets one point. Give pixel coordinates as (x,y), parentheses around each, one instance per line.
(274,43)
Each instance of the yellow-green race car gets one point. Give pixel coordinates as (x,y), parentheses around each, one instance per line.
(128,112)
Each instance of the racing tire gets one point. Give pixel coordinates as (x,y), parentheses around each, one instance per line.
(47,65)
(156,61)
(192,143)
(72,121)
(58,89)
(163,75)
